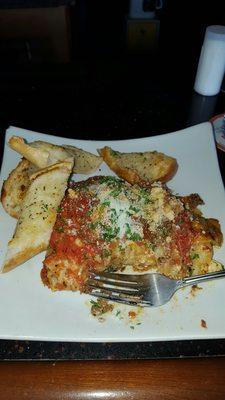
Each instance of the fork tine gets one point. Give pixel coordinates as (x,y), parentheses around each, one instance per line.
(113,289)
(132,279)
(105,281)
(118,298)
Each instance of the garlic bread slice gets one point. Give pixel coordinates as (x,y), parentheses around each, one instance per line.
(43,154)
(38,157)
(140,168)
(15,186)
(38,213)
(85,162)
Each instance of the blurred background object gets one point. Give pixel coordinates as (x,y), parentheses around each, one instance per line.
(143,26)
(35,34)
(143,9)
(62,30)
(115,68)
(142,35)
(211,66)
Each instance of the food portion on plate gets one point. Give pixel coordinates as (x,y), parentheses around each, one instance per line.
(15,186)
(84,161)
(43,154)
(38,213)
(103,223)
(37,155)
(33,191)
(140,168)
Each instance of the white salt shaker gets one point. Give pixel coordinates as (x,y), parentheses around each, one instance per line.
(211,66)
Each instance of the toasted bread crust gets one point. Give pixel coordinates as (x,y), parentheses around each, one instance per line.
(65,164)
(116,161)
(38,213)
(85,162)
(15,186)
(38,157)
(43,154)
(23,256)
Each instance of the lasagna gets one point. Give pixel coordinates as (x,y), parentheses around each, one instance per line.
(104,223)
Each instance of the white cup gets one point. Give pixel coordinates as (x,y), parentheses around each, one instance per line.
(211,66)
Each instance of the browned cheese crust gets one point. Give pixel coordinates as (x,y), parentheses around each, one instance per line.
(107,224)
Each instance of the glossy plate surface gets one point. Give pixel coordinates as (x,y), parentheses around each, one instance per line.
(28,310)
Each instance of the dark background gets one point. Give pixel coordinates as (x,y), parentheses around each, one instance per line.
(101,90)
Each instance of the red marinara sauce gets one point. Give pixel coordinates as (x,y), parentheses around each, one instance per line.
(183,235)
(72,237)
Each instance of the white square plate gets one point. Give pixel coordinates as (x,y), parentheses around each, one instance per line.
(28,310)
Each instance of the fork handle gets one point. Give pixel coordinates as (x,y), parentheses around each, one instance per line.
(201,278)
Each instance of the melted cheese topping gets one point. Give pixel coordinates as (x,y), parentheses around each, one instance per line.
(106,223)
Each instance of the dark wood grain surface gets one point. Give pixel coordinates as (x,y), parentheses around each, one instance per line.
(139,380)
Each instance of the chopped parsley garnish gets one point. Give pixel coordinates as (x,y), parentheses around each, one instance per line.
(132,210)
(94,303)
(106,203)
(109,232)
(106,253)
(135,209)
(113,216)
(60,229)
(113,211)
(132,235)
(145,195)
(109,180)
(93,225)
(194,256)
(135,237)
(117,189)
(115,192)
(128,230)
(114,183)
(101,306)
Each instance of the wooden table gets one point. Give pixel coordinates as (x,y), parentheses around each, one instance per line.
(185,379)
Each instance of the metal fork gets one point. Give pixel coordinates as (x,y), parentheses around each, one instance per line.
(147,290)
